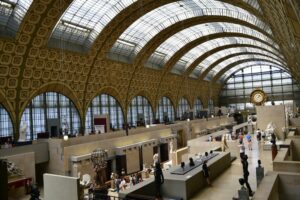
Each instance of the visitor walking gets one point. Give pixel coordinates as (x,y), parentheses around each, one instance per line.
(249,141)
(206,172)
(159,179)
(224,143)
(242,149)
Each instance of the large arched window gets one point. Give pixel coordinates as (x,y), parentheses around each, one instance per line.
(50,112)
(211,109)
(183,109)
(140,112)
(104,104)
(6,128)
(197,107)
(165,110)
(275,81)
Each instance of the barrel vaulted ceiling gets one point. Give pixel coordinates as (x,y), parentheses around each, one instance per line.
(194,39)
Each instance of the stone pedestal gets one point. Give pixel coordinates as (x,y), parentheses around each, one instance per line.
(243,194)
(259,175)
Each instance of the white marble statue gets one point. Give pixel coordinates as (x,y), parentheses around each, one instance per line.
(23,130)
(171,147)
(270,129)
(155,159)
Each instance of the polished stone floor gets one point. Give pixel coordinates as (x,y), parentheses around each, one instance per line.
(226,185)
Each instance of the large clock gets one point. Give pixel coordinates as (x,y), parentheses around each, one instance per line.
(258,97)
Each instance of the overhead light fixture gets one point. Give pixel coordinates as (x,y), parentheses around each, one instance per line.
(126,42)
(7,4)
(76,26)
(159,54)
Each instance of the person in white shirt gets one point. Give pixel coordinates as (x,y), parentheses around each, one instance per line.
(242,149)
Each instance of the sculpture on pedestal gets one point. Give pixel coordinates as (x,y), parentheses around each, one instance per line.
(270,128)
(155,159)
(99,160)
(23,130)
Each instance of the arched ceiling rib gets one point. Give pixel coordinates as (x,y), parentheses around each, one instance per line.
(194,72)
(216,64)
(12,13)
(150,25)
(150,47)
(188,35)
(224,78)
(250,5)
(217,76)
(210,43)
(82,22)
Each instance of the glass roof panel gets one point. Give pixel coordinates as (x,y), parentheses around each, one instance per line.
(180,39)
(227,62)
(196,52)
(248,66)
(216,56)
(254,4)
(12,13)
(237,58)
(145,28)
(82,22)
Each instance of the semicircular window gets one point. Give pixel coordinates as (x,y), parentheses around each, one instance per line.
(140,112)
(6,128)
(183,109)
(104,104)
(197,108)
(165,111)
(51,113)
(275,81)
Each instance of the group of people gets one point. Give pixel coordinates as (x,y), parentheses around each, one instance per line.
(121,183)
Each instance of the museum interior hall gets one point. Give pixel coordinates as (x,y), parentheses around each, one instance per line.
(149,99)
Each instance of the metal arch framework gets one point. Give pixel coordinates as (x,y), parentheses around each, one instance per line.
(150,47)
(116,27)
(221,72)
(245,6)
(208,69)
(172,61)
(209,53)
(269,62)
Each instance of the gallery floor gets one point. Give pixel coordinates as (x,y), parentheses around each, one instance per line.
(226,185)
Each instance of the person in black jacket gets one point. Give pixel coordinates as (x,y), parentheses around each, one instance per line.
(159,179)
(206,172)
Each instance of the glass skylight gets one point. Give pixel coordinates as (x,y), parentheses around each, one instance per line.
(239,58)
(196,52)
(84,20)
(216,56)
(180,39)
(247,64)
(254,4)
(229,61)
(145,28)
(12,13)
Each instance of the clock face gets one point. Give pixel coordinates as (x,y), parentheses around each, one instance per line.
(258,97)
